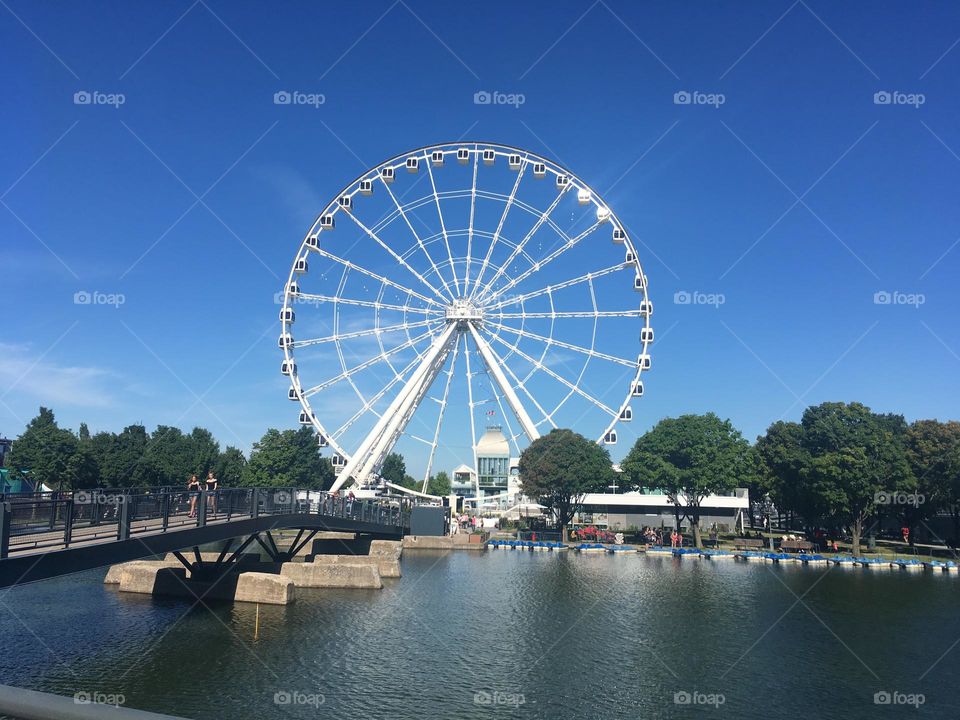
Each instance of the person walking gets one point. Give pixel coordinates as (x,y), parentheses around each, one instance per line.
(212,484)
(193,488)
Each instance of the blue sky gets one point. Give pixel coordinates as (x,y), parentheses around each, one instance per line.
(787,188)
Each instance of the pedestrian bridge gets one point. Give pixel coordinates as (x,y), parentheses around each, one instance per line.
(45,535)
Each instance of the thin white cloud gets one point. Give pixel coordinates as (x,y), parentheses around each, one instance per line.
(52,384)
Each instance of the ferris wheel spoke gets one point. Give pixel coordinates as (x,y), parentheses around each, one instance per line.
(369,273)
(519,248)
(503,219)
(572,314)
(566,383)
(376,238)
(416,236)
(315,298)
(363,333)
(443,226)
(537,267)
(586,277)
(443,408)
(473,207)
(310,392)
(568,346)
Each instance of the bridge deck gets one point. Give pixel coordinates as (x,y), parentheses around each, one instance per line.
(48,537)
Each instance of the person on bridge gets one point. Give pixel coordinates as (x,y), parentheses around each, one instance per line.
(212,484)
(193,487)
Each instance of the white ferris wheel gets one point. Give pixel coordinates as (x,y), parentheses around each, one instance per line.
(454,284)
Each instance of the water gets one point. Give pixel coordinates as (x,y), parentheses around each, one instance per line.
(510,634)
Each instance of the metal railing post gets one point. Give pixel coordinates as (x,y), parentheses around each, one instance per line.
(6,516)
(202,509)
(123,517)
(68,522)
(165,510)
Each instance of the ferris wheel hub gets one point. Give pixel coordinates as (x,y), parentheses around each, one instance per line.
(462,312)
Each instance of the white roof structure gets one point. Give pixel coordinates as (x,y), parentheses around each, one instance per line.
(493,443)
(464,469)
(741,502)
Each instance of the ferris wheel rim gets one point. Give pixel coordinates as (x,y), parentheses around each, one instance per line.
(489,292)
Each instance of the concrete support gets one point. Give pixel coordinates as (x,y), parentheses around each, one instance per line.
(115,571)
(264,588)
(333,575)
(386,566)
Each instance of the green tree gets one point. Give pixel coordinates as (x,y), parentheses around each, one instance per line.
(205,451)
(690,457)
(411,483)
(82,470)
(42,453)
(933,451)
(781,465)
(439,484)
(231,465)
(858,459)
(559,468)
(288,458)
(394,469)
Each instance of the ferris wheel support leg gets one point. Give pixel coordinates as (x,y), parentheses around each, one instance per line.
(508,392)
(411,401)
(440,345)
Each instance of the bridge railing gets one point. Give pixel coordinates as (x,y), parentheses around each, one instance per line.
(83,516)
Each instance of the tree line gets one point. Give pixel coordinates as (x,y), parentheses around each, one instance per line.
(838,469)
(134,458)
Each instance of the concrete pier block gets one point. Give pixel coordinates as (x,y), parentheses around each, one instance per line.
(427,542)
(155,579)
(113,574)
(333,575)
(386,566)
(264,588)
(386,548)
